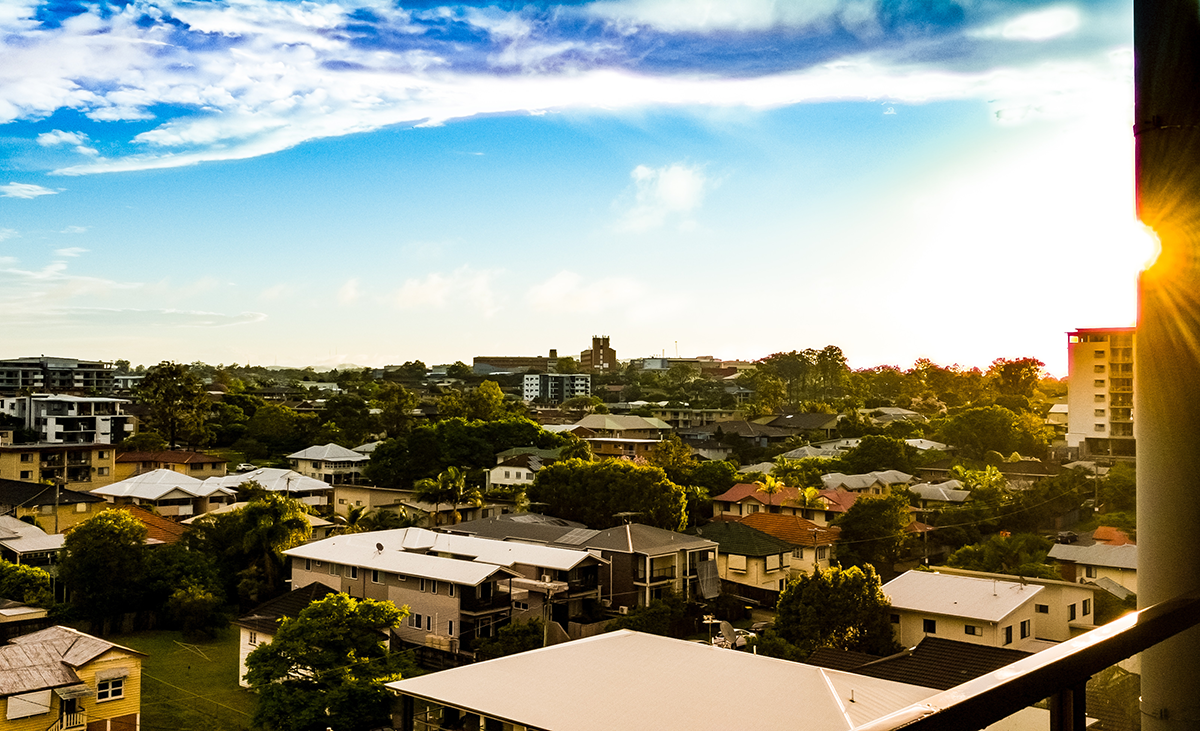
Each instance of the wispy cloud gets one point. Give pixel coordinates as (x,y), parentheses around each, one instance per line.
(24,190)
(568,291)
(243,78)
(71,251)
(348,292)
(660,194)
(464,287)
(7,233)
(75,230)
(116,318)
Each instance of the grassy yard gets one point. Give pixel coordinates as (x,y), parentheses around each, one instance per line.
(190,686)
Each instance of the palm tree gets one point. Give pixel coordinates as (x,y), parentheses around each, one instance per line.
(354,521)
(271,525)
(577,449)
(770,487)
(383,519)
(450,486)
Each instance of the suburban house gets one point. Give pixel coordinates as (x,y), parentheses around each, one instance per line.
(649,682)
(749,431)
(195,464)
(307,490)
(625,426)
(62,679)
(645,562)
(942,494)
(330,463)
(1062,609)
(872,483)
(518,470)
(71,419)
(679,417)
(621,447)
(55,509)
(260,625)
(171,493)
(812,545)
(321,528)
(451,601)
(824,425)
(964,608)
(29,545)
(1096,562)
(752,564)
(159,530)
(76,466)
(746,499)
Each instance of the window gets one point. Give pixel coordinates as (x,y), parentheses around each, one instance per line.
(506,474)
(1099,427)
(450,628)
(736,562)
(102,454)
(353,572)
(1041,608)
(1089,572)
(798,553)
(432,587)
(26,474)
(522,606)
(1099,353)
(1098,383)
(341,501)
(450,589)
(1087,607)
(107,690)
(772,562)
(26,457)
(253,638)
(822,553)
(81,507)
(422,584)
(1098,368)
(1098,398)
(1098,412)
(1008,635)
(1071,612)
(1025,628)
(333,569)
(308,564)
(102,471)
(414,620)
(375,577)
(895,618)
(974,630)
(929,626)
(428,622)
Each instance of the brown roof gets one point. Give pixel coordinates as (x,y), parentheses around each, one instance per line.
(839,501)
(265,618)
(173,456)
(934,663)
(743,490)
(158,528)
(791,528)
(1112,536)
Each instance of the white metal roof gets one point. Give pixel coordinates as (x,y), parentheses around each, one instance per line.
(273,479)
(21,537)
(630,680)
(330,452)
(159,484)
(1117,557)
(362,550)
(989,600)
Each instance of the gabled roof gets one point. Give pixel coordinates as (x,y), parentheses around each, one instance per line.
(741,428)
(531,462)
(935,662)
(517,451)
(158,528)
(265,617)
(946,492)
(48,658)
(362,550)
(659,682)
(838,501)
(172,456)
(1111,536)
(35,494)
(989,600)
(315,521)
(645,539)
(793,529)
(741,539)
(1117,557)
(273,479)
(21,537)
(804,422)
(835,480)
(160,484)
(622,422)
(330,453)
(749,491)
(810,451)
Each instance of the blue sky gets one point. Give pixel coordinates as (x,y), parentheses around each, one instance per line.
(372,182)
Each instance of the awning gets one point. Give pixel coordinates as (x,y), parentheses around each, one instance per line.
(74,691)
(112,673)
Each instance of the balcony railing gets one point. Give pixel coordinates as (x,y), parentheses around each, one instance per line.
(656,575)
(1062,671)
(69,721)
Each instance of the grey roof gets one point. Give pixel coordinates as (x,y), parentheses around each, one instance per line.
(989,600)
(330,453)
(1117,557)
(946,492)
(638,538)
(809,451)
(621,422)
(162,484)
(835,480)
(630,538)
(21,537)
(273,479)
(361,549)
(47,659)
(518,526)
(653,682)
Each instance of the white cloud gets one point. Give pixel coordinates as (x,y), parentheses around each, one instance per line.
(712,15)
(24,190)
(1041,25)
(348,292)
(567,291)
(71,251)
(74,230)
(662,193)
(58,137)
(7,233)
(273,293)
(462,287)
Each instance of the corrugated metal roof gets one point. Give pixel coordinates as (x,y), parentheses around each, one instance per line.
(273,479)
(1117,557)
(661,683)
(989,600)
(159,484)
(331,452)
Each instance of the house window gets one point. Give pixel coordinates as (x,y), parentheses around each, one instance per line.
(1099,412)
(450,628)
(102,471)
(1071,612)
(353,572)
(1098,383)
(1041,608)
(736,562)
(433,587)
(506,474)
(1099,353)
(414,620)
(308,564)
(102,454)
(341,501)
(1089,571)
(1025,631)
(428,622)
(253,638)
(375,577)
(26,474)
(895,618)
(1099,427)
(1098,368)
(1008,635)
(1098,398)
(929,626)
(1087,607)
(798,553)
(81,507)
(974,630)
(450,589)
(333,569)
(108,690)
(822,553)
(26,457)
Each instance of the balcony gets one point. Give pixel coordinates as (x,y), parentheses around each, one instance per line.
(477,605)
(69,722)
(657,576)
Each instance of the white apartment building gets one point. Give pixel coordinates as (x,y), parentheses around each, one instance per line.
(1100,392)
(554,388)
(71,419)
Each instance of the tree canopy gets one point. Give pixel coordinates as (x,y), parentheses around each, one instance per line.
(1023,554)
(103,563)
(325,668)
(176,403)
(593,493)
(873,532)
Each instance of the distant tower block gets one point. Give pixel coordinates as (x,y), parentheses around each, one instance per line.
(1100,392)
(600,357)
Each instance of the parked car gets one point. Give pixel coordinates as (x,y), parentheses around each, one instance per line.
(1067,536)
(245,467)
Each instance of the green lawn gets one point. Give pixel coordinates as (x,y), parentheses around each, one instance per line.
(190,686)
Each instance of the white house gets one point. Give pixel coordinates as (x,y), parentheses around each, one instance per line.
(330,463)
(968,609)
(170,492)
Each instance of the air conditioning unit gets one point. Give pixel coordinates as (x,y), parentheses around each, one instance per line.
(622,610)
(545,578)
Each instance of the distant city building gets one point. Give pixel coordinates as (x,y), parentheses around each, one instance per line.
(554,388)
(71,419)
(74,466)
(600,357)
(55,375)
(1100,392)
(483,365)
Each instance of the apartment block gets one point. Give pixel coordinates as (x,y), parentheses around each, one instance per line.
(554,388)
(55,375)
(1100,392)
(71,419)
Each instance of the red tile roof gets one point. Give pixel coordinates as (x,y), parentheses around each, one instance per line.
(157,527)
(174,456)
(1112,536)
(744,490)
(792,528)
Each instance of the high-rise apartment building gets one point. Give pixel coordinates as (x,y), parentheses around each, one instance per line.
(1100,392)
(554,388)
(55,375)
